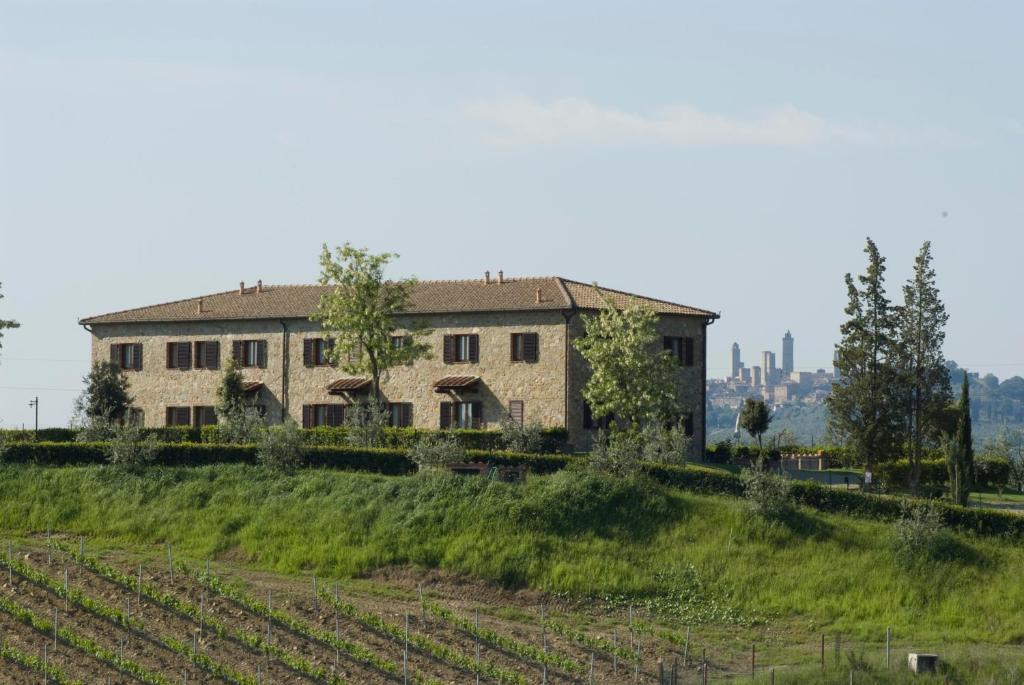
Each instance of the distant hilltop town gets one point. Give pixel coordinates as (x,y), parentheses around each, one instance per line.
(775,385)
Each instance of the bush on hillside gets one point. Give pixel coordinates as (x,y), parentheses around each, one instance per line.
(919,536)
(131,448)
(280,447)
(517,437)
(96,430)
(437,451)
(992,473)
(625,452)
(366,424)
(767,493)
(241,425)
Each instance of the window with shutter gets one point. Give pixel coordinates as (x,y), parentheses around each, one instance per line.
(399,414)
(238,352)
(461,348)
(307,416)
(137,356)
(449,349)
(307,351)
(687,351)
(474,349)
(179,416)
(211,356)
(446,415)
(204,416)
(184,356)
(515,411)
(525,347)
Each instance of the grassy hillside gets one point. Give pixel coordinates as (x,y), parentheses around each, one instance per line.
(698,558)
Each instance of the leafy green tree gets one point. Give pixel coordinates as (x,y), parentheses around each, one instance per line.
(755,419)
(1009,445)
(280,447)
(105,398)
(6,323)
(924,376)
(960,450)
(631,379)
(360,315)
(865,407)
(231,392)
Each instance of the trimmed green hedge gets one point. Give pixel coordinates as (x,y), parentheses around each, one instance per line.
(554,439)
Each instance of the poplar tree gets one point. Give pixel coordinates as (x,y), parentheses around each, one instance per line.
(631,378)
(360,315)
(924,376)
(865,405)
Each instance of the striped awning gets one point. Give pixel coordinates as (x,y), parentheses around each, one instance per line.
(252,386)
(456,383)
(343,385)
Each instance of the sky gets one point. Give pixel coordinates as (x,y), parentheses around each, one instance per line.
(728,155)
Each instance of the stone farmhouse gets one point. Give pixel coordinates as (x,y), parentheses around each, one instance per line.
(501,347)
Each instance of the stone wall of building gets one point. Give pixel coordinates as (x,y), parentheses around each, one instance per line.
(540,385)
(156,387)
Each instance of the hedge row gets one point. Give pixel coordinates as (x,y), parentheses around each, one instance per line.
(990,472)
(394,462)
(553,439)
(374,460)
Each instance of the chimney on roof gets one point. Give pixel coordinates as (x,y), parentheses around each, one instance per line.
(259,286)
(538,296)
(199,306)
(241,287)
(487,277)
(501,276)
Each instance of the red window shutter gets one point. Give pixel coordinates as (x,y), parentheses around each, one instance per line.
(137,356)
(212,354)
(477,408)
(474,348)
(446,415)
(531,347)
(307,416)
(449,349)
(307,352)
(261,354)
(115,355)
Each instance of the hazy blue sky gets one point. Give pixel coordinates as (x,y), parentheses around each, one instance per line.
(728,155)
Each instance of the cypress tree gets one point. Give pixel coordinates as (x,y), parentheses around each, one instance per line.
(924,377)
(960,453)
(865,406)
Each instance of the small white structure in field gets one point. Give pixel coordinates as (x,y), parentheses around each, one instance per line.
(923,663)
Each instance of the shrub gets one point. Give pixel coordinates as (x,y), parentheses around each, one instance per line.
(624,452)
(242,425)
(365,425)
(992,473)
(894,475)
(437,451)
(280,447)
(96,429)
(130,448)
(767,493)
(517,437)
(919,534)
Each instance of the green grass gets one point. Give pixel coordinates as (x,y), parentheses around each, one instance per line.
(698,559)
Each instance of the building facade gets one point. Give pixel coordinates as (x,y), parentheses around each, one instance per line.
(499,347)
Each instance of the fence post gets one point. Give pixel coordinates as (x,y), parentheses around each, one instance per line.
(65,588)
(170,560)
(55,628)
(615,652)
(823,651)
(316,600)
(405,653)
(686,649)
(476,638)
(888,637)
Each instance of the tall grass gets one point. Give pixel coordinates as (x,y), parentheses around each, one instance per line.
(701,557)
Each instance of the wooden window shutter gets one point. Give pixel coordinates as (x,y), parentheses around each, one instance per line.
(474,348)
(449,349)
(307,416)
(170,356)
(477,408)
(446,414)
(531,347)
(237,350)
(115,355)
(512,346)
(212,354)
(335,415)
(515,410)
(261,354)
(137,356)
(307,352)
(406,415)
(184,356)
(688,351)
(168,416)
(197,416)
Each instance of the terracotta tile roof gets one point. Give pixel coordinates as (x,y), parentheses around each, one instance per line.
(456,382)
(427,297)
(252,386)
(348,385)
